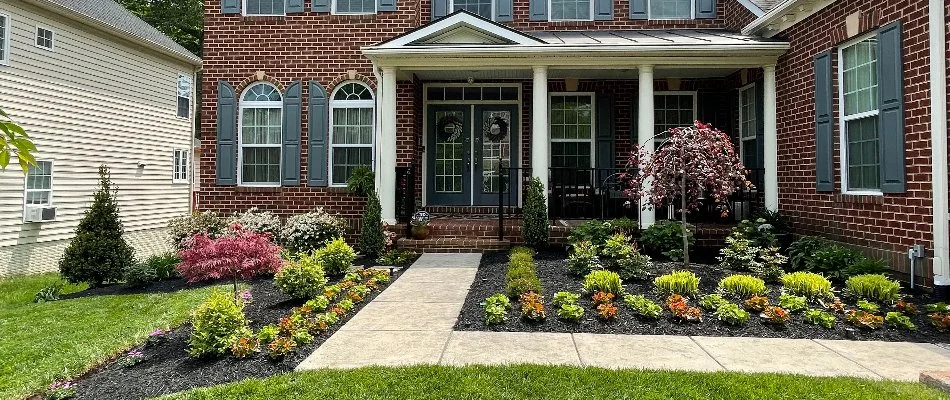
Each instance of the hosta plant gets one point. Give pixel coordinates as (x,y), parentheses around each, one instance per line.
(757,303)
(602,298)
(821,318)
(561,298)
(644,307)
(793,303)
(731,314)
(603,281)
(873,287)
(899,320)
(775,315)
(711,302)
(607,312)
(532,306)
(683,283)
(742,286)
(808,284)
(570,312)
(865,320)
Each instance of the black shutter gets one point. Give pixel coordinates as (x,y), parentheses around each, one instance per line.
(890,72)
(604,114)
(638,9)
(290,163)
(824,124)
(705,9)
(226,158)
(318,124)
(760,124)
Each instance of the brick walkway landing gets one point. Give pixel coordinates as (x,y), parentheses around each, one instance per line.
(411,323)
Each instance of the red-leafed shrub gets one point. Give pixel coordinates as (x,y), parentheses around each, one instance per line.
(239,254)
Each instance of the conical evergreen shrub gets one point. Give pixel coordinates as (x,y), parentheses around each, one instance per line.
(535,223)
(98,253)
(372,237)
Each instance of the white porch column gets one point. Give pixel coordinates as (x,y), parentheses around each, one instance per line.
(645,132)
(386,145)
(540,143)
(771,140)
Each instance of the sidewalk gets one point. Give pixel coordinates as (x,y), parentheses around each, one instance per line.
(411,323)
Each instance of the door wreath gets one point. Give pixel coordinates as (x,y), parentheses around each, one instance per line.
(496,128)
(449,128)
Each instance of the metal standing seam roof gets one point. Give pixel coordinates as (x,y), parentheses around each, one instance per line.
(648,37)
(115,16)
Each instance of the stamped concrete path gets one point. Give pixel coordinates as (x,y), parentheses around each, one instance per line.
(411,323)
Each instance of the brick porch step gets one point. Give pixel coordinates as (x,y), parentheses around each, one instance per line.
(452,245)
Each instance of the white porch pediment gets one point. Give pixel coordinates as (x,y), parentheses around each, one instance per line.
(460,28)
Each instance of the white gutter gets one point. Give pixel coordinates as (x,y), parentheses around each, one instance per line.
(938,151)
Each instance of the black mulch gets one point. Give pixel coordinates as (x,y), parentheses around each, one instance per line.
(167,368)
(552,269)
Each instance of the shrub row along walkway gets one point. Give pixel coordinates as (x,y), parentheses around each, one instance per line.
(411,323)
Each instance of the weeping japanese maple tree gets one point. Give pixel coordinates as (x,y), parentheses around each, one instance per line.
(691,164)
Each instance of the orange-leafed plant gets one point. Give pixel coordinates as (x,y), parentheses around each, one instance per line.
(775,315)
(757,303)
(607,311)
(603,298)
(532,306)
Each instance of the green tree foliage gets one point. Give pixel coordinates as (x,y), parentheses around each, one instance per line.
(14,142)
(181,20)
(535,215)
(372,237)
(98,253)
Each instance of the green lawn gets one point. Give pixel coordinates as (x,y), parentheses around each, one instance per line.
(540,382)
(40,343)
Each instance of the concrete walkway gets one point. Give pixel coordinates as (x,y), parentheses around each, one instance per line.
(411,323)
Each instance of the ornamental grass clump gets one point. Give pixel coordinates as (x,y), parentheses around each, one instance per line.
(603,281)
(876,287)
(742,286)
(683,283)
(808,284)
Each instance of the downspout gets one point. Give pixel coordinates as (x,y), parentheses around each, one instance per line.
(379,93)
(938,124)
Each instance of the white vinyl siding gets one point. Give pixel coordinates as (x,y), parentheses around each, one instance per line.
(671,9)
(860,153)
(96,99)
(4,39)
(44,38)
(264,7)
(571,10)
(180,165)
(351,131)
(572,131)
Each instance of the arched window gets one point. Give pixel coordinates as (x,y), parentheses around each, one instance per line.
(260,126)
(352,130)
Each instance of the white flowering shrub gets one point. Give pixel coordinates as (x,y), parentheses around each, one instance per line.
(186,226)
(304,233)
(260,221)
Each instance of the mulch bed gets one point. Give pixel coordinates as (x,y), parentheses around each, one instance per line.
(552,269)
(167,368)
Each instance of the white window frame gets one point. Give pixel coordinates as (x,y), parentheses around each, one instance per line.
(244,11)
(178,96)
(242,105)
(742,118)
(52,40)
(333,10)
(844,119)
(50,190)
(334,104)
(551,13)
(593,125)
(5,60)
(491,17)
(692,12)
(674,93)
(186,156)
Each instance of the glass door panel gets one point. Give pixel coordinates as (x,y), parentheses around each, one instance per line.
(449,148)
(496,134)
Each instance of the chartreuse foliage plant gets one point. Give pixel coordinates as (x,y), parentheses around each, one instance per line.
(821,318)
(496,309)
(711,302)
(583,259)
(336,257)
(731,314)
(793,303)
(302,278)
(808,284)
(873,287)
(522,275)
(742,286)
(603,281)
(15,142)
(644,307)
(565,298)
(683,283)
(218,323)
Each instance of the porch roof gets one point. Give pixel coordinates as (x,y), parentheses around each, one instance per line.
(464,40)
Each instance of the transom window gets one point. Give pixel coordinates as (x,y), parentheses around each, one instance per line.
(44,38)
(261,135)
(482,8)
(39,184)
(354,6)
(352,130)
(673,110)
(180,166)
(571,10)
(859,103)
(572,144)
(264,7)
(747,126)
(671,9)
(4,39)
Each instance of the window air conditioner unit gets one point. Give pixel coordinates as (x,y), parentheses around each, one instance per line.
(40,214)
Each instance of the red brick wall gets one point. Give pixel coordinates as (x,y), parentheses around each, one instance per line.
(883,226)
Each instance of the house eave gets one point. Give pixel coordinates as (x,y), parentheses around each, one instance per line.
(784,16)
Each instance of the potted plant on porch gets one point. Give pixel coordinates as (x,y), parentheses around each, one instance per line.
(420,225)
